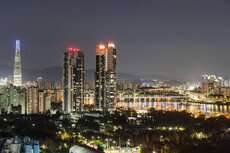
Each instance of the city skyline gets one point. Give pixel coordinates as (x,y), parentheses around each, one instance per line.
(180,39)
(112,76)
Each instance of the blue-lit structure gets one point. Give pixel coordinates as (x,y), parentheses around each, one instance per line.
(17,66)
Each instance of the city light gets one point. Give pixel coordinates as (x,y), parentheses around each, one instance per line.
(111,44)
(73,50)
(101,46)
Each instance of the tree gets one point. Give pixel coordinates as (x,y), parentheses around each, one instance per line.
(52,147)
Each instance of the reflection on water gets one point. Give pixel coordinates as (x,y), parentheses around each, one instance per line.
(205,108)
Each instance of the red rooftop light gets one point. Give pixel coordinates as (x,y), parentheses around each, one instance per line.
(73,49)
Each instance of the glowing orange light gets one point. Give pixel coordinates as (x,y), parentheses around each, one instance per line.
(101,46)
(111,44)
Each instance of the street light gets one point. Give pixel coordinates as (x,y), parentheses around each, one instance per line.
(107,140)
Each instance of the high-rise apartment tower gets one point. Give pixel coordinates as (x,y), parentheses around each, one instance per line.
(105,76)
(73,80)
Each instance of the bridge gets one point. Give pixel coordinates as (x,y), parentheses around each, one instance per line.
(148,98)
(140,99)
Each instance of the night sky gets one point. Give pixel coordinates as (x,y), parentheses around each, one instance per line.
(178,38)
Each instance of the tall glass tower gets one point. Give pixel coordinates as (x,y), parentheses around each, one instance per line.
(17,65)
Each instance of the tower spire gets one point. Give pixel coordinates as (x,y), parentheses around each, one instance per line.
(17,65)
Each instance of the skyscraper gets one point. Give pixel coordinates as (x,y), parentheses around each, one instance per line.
(17,66)
(100,77)
(105,76)
(73,80)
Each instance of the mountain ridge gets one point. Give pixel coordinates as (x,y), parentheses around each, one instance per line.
(54,74)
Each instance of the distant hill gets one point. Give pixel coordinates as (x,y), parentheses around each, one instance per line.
(55,73)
